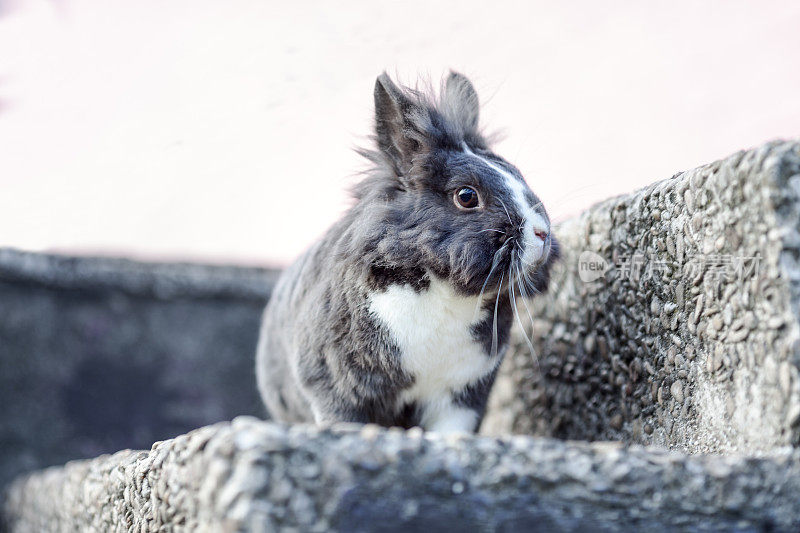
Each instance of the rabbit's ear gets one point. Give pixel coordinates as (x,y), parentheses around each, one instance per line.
(461,101)
(398,124)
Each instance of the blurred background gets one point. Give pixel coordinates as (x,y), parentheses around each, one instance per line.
(223,131)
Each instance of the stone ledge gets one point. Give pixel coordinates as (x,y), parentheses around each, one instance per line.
(682,357)
(262,476)
(164,280)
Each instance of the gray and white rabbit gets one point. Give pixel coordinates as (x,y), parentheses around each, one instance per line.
(400,314)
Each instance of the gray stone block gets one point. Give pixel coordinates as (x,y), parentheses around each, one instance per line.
(698,350)
(97,355)
(262,476)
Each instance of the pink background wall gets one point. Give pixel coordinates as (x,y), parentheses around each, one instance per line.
(222,131)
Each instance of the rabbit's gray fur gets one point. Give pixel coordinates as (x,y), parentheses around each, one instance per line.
(371,323)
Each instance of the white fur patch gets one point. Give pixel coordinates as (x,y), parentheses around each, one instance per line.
(532,220)
(432,329)
(445,417)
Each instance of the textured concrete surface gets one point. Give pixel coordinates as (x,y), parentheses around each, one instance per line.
(696,346)
(683,340)
(261,476)
(97,355)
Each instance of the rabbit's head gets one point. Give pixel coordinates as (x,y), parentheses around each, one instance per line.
(446,203)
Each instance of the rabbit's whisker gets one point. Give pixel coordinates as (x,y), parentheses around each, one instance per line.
(495,262)
(524,291)
(526,276)
(506,210)
(516,313)
(494,321)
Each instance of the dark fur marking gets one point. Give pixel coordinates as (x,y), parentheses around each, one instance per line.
(482,332)
(382,276)
(475,395)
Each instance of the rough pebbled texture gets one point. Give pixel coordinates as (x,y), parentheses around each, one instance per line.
(262,476)
(679,355)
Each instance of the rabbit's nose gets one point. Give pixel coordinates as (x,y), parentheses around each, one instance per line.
(539,228)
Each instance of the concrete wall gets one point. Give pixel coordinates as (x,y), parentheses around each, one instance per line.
(97,355)
(262,476)
(688,352)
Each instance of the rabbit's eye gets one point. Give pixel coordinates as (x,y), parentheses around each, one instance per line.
(467,198)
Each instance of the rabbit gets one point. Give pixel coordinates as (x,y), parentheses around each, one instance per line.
(400,314)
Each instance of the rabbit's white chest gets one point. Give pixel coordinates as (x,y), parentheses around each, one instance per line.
(433,330)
